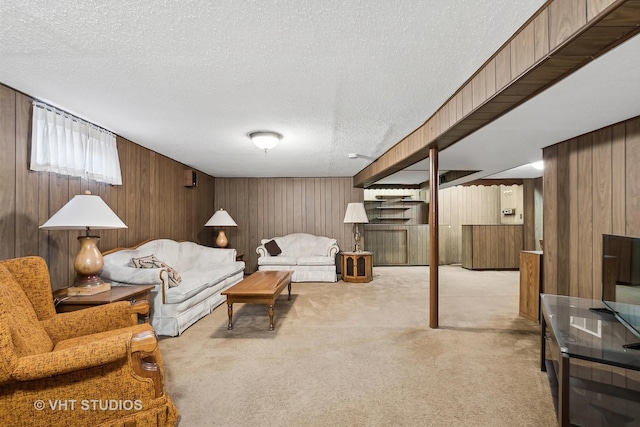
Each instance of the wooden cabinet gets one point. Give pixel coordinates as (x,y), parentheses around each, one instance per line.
(357,267)
(491,247)
(530,284)
(398,244)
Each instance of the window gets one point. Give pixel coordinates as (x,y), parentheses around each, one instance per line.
(67,145)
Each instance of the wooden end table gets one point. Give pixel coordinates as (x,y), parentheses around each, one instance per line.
(357,266)
(131,293)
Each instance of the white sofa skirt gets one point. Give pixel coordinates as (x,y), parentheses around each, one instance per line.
(173,319)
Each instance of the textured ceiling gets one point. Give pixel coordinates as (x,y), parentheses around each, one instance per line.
(190,79)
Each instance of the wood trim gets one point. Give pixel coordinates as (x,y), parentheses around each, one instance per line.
(562,41)
(590,188)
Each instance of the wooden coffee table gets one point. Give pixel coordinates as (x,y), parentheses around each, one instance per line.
(262,287)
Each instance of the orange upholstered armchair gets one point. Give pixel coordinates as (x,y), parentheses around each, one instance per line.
(91,367)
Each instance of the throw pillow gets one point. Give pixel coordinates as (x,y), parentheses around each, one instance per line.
(272,247)
(152,262)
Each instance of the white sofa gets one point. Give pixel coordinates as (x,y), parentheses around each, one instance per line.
(311,258)
(205,272)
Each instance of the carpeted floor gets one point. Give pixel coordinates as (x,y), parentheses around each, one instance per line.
(349,354)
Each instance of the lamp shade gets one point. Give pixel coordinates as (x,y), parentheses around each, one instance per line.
(356,214)
(221,219)
(265,140)
(83,212)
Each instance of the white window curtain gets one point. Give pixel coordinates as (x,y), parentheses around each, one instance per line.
(64,144)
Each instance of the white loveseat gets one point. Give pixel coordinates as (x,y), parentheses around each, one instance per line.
(204,272)
(311,258)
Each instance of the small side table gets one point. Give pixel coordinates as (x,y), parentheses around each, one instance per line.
(357,267)
(131,293)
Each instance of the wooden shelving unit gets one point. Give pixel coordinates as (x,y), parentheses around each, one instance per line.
(395,209)
(397,232)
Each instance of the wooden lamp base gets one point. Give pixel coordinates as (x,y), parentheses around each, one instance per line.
(88,264)
(221,240)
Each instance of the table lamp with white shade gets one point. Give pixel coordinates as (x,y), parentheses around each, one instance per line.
(86,212)
(356,214)
(221,218)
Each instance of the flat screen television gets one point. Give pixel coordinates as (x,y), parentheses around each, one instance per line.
(621,279)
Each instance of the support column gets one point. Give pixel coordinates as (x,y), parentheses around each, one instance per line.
(434,252)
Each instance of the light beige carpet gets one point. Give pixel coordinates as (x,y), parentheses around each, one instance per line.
(349,354)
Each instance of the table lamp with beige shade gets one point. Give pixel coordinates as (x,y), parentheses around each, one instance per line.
(221,218)
(356,214)
(86,212)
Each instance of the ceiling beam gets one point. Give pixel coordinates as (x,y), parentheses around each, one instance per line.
(562,37)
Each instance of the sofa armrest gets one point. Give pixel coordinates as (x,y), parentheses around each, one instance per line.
(333,250)
(97,353)
(262,251)
(124,275)
(93,320)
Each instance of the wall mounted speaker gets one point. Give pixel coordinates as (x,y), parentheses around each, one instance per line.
(190,178)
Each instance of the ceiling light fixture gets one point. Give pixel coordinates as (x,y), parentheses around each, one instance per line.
(360,156)
(538,165)
(265,140)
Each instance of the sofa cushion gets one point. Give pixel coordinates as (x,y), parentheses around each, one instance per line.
(316,260)
(303,244)
(192,255)
(272,247)
(278,260)
(197,279)
(151,261)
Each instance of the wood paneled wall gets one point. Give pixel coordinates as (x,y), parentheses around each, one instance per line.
(482,205)
(474,204)
(591,187)
(272,207)
(152,201)
(561,37)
